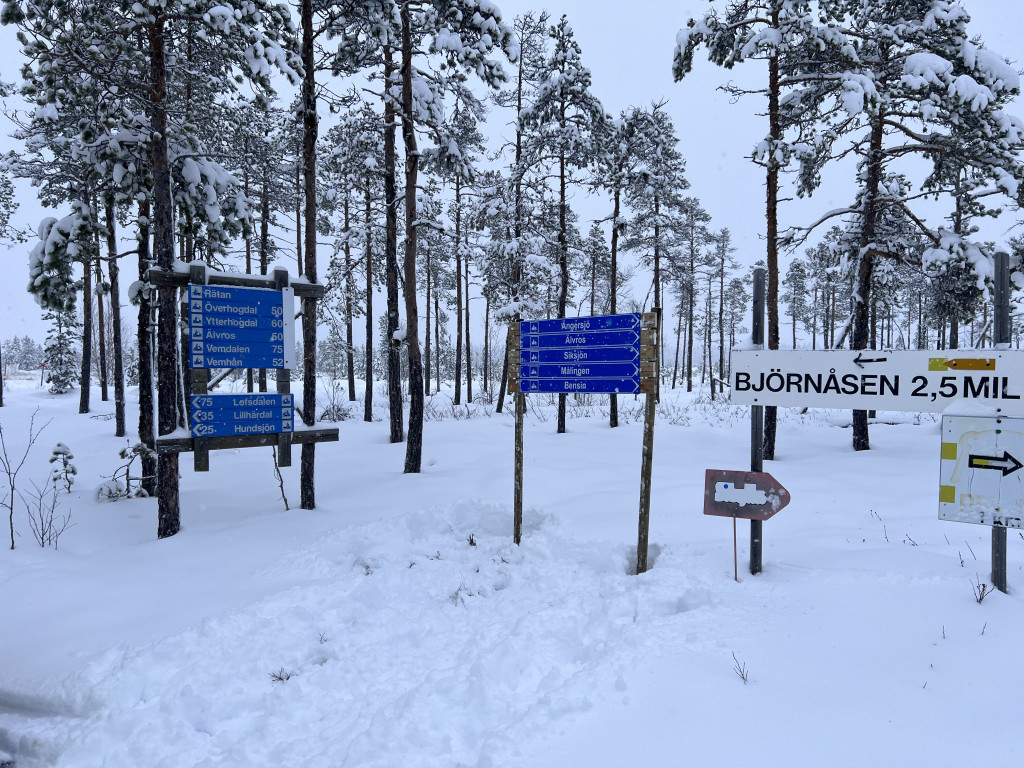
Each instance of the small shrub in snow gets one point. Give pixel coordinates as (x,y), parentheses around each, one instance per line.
(42,505)
(280,676)
(335,408)
(11,465)
(63,472)
(740,669)
(980,590)
(119,484)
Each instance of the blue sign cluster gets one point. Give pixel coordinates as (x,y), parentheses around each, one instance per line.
(584,354)
(231,327)
(251,414)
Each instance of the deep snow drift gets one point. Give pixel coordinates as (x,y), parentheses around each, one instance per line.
(398,625)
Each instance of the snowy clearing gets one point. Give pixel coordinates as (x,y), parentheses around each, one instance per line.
(398,625)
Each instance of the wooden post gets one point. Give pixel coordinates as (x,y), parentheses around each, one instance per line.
(284,384)
(649,360)
(519,407)
(757,420)
(1001,299)
(200,382)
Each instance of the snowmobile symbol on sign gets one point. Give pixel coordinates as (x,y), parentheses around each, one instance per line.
(746,495)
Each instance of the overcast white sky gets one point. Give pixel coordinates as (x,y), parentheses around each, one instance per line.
(628,47)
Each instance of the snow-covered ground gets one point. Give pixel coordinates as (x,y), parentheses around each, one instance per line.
(398,625)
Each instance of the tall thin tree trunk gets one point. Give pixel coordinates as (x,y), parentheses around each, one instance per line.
(261,381)
(458,291)
(169,521)
(298,205)
(861,319)
(250,383)
(349,334)
(772,235)
(115,317)
(307,488)
(414,443)
(86,379)
(391,256)
(563,262)
(675,365)
(469,349)
(101,336)
(487,344)
(147,402)
(691,291)
(368,373)
(657,288)
(426,331)
(437,341)
(613,289)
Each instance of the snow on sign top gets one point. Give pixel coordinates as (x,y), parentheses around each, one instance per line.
(916,380)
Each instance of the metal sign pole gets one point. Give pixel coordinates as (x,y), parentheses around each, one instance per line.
(1002,338)
(757,419)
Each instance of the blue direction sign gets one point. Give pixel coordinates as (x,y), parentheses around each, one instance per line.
(227,415)
(237,335)
(583,354)
(238,360)
(581,339)
(629,322)
(567,370)
(231,327)
(576,355)
(255,323)
(596,386)
(229,300)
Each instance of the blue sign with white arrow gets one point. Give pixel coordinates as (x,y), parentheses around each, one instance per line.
(630,322)
(592,355)
(593,386)
(255,414)
(587,370)
(582,339)
(584,354)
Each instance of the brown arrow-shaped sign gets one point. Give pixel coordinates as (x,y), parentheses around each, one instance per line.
(746,495)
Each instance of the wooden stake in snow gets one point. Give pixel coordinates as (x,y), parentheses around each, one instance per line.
(611,354)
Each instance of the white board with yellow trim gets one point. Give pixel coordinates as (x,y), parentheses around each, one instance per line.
(981,479)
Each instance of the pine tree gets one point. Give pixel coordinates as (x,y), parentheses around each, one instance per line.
(791,37)
(794,295)
(918,85)
(618,169)
(513,241)
(560,132)
(464,34)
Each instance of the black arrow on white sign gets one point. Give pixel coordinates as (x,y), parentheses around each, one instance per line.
(860,360)
(1006,463)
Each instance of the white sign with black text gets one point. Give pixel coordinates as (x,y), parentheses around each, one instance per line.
(889,380)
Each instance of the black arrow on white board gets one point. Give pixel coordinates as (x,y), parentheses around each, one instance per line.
(860,359)
(1006,463)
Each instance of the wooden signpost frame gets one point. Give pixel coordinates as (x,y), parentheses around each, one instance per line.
(649,371)
(200,447)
